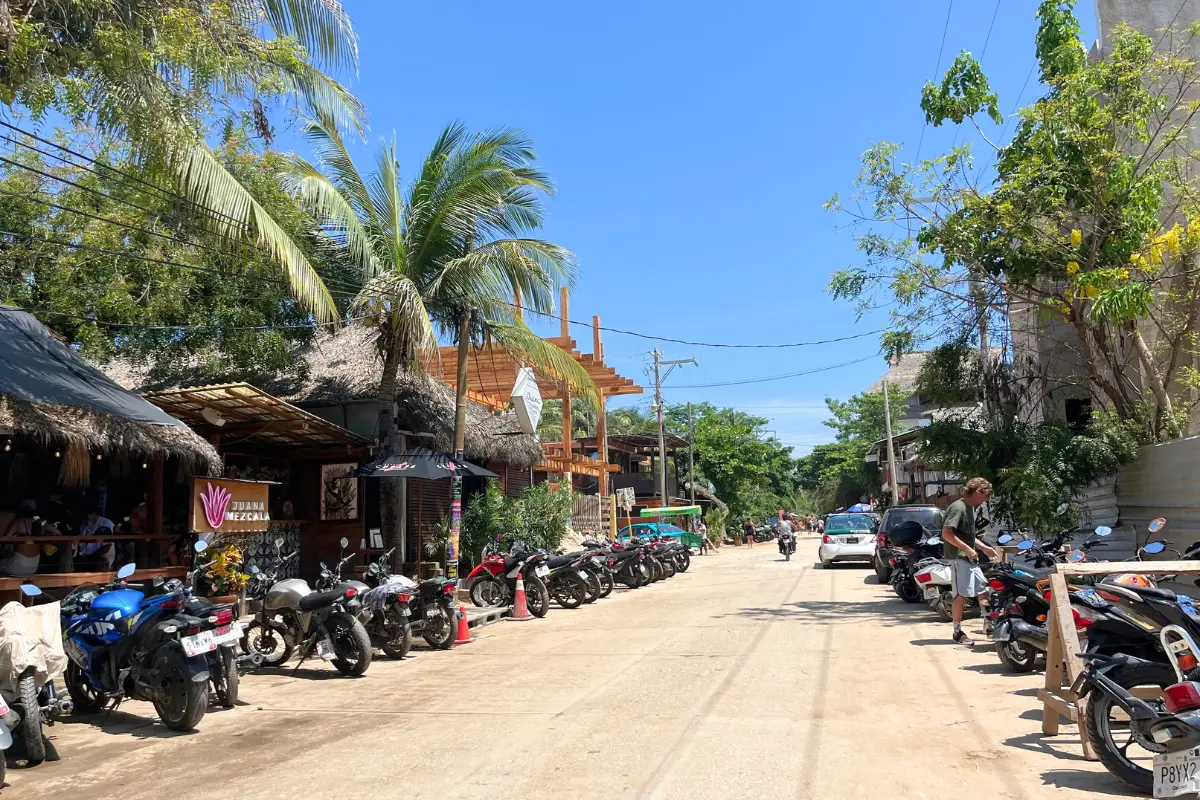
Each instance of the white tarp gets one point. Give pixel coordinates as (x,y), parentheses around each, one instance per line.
(30,637)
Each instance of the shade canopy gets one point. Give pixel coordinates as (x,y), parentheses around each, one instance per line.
(859,508)
(672,511)
(419,462)
(37,368)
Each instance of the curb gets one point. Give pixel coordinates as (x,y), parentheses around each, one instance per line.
(494,615)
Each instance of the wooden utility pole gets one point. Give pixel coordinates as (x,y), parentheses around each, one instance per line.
(891,452)
(691,457)
(564,304)
(658,402)
(601,411)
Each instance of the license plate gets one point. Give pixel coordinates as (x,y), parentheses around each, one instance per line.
(227,634)
(932,593)
(203,642)
(541,571)
(1177,773)
(325,649)
(851,540)
(583,576)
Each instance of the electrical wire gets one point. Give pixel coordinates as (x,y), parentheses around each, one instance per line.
(936,70)
(152,327)
(776,377)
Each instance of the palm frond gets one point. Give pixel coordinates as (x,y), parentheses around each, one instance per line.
(322,26)
(327,99)
(236,213)
(333,209)
(395,301)
(523,344)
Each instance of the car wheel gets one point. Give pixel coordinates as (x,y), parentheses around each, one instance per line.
(883,570)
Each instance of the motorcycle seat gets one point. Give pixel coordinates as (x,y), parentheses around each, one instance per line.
(321,599)
(561,561)
(624,555)
(510,562)
(1151,591)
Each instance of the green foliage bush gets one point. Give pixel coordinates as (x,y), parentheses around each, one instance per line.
(538,517)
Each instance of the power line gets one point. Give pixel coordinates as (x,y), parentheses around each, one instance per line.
(986,40)
(936,70)
(777,377)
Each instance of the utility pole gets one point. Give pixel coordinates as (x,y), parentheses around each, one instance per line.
(659,377)
(691,457)
(891,452)
(979,295)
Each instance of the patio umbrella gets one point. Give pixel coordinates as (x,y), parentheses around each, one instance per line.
(859,508)
(419,462)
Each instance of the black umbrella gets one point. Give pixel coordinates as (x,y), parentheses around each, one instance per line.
(419,462)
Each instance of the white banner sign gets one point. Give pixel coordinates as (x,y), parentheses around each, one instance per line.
(527,400)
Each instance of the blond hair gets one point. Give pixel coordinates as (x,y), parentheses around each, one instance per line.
(977,485)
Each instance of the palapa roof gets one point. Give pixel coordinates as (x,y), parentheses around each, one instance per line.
(344,367)
(50,394)
(903,371)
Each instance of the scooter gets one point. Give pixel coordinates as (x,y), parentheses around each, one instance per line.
(787,545)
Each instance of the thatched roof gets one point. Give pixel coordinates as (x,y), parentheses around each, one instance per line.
(107,434)
(344,367)
(903,371)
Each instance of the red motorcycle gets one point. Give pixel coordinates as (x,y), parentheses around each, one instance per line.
(494,582)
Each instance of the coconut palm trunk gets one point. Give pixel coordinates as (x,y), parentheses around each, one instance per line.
(460,442)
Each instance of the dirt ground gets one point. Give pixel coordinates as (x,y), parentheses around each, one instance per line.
(746,676)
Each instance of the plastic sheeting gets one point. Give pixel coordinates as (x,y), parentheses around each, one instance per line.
(30,637)
(37,368)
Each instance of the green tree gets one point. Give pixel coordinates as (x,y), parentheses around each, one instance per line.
(159,78)
(444,253)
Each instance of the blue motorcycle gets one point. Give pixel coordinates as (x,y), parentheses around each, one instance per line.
(136,640)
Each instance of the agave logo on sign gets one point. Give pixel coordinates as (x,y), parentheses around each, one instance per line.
(215,500)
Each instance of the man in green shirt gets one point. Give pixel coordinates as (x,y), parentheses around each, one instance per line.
(959,546)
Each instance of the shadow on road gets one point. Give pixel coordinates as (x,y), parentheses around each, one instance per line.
(1097,782)
(889,613)
(121,723)
(1038,742)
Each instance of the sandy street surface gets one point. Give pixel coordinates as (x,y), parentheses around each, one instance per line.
(744,677)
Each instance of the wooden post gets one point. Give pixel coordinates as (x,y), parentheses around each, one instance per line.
(601,412)
(564,308)
(564,305)
(1063,666)
(154,498)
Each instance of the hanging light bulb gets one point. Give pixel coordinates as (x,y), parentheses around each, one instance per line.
(145,465)
(99,456)
(57,454)
(8,445)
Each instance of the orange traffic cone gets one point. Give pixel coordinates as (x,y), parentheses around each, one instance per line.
(464,630)
(520,612)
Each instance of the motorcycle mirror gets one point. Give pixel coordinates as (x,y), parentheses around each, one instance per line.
(323,567)
(29,590)
(200,546)
(344,542)
(254,569)
(127,570)
(1154,548)
(1062,509)
(1157,525)
(1005,539)
(1075,555)
(934,540)
(1025,545)
(1103,530)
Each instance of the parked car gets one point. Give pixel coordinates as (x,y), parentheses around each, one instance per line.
(929,517)
(664,529)
(848,537)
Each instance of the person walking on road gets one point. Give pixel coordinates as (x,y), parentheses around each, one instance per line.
(748,532)
(702,529)
(961,550)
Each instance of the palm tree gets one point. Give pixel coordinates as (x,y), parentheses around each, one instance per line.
(445,258)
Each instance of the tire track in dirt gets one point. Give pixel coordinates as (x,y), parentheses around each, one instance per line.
(816,724)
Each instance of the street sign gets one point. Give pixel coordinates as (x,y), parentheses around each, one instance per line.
(625,498)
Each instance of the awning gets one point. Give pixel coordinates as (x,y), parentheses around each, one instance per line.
(420,462)
(37,368)
(672,511)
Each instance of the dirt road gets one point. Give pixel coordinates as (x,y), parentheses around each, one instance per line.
(745,677)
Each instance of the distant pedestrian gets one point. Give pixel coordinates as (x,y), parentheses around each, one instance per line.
(960,548)
(748,532)
(702,529)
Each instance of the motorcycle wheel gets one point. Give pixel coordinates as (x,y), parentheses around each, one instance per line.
(594,588)
(397,627)
(568,592)
(186,700)
(87,700)
(607,584)
(1017,656)
(226,679)
(1100,725)
(351,644)
(537,597)
(439,627)
(668,567)
(943,606)
(685,560)
(30,729)
(907,590)
(787,556)
(271,641)
(487,592)
(655,570)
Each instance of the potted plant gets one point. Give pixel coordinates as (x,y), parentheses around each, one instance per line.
(225,576)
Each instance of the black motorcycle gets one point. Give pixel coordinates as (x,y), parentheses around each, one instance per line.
(430,603)
(384,611)
(569,585)
(787,545)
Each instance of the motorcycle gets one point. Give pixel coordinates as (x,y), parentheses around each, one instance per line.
(383,608)
(787,545)
(625,564)
(494,581)
(568,584)
(125,642)
(325,623)
(32,651)
(430,604)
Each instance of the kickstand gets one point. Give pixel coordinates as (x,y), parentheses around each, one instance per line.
(115,705)
(305,652)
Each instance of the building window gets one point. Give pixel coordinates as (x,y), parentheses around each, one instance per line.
(1078,413)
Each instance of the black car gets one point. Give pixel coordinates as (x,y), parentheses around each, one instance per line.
(929,517)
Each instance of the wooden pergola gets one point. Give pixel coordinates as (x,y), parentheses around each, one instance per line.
(491,374)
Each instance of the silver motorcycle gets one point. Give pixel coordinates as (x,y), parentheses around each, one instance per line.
(293,616)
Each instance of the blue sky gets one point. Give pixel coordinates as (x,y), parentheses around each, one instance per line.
(693,145)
